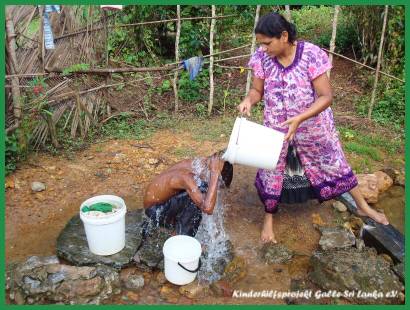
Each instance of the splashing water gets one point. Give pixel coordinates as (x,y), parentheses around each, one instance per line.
(212,236)
(211,232)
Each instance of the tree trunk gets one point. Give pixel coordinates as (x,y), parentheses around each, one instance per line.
(249,78)
(175,81)
(379,59)
(211,62)
(333,39)
(108,77)
(287,13)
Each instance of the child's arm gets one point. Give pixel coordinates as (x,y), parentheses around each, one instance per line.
(215,167)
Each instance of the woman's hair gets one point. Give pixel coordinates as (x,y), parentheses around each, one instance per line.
(227,170)
(273,24)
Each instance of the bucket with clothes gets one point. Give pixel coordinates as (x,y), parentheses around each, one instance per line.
(104,223)
(181,259)
(252,144)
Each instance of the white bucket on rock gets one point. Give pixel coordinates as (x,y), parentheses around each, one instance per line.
(105,232)
(181,259)
(252,144)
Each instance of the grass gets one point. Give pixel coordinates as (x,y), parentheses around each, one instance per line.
(368,151)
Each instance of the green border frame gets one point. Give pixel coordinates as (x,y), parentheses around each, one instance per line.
(193,2)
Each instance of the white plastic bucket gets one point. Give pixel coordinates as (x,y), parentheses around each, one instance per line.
(252,144)
(181,259)
(106,233)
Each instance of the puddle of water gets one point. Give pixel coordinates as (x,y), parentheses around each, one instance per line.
(392,202)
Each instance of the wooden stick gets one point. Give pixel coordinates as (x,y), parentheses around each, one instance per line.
(249,76)
(363,65)
(333,39)
(144,23)
(379,60)
(288,16)
(211,62)
(175,80)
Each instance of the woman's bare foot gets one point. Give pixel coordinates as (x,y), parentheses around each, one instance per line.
(267,234)
(373,214)
(363,209)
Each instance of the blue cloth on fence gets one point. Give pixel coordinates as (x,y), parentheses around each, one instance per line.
(48,33)
(193,65)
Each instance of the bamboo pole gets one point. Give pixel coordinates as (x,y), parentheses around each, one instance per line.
(249,77)
(287,13)
(41,49)
(12,59)
(379,59)
(333,39)
(175,80)
(211,62)
(107,78)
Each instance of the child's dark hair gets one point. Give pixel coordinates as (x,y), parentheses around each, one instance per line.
(227,170)
(273,24)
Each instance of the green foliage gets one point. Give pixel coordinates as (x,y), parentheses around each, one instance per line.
(14,151)
(75,68)
(196,90)
(125,127)
(389,107)
(361,149)
(314,24)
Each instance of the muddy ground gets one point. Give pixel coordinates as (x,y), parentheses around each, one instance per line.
(123,168)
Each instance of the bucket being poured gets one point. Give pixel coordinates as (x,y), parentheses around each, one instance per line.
(252,144)
(105,231)
(181,259)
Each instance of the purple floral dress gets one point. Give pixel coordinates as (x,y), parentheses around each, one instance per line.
(288,92)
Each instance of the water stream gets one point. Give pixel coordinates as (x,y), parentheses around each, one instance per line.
(211,232)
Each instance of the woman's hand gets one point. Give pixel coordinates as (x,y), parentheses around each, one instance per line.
(245,106)
(293,123)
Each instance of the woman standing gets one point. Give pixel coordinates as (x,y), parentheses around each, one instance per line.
(290,76)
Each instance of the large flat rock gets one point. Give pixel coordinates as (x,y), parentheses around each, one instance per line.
(72,243)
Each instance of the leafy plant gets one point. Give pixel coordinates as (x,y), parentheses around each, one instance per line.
(75,68)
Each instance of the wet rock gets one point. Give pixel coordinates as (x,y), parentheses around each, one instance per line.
(299,267)
(387,258)
(40,280)
(276,253)
(161,278)
(213,268)
(317,220)
(135,282)
(72,243)
(368,186)
(169,293)
(348,269)
(336,238)
(354,224)
(397,176)
(339,206)
(132,279)
(150,253)
(194,290)
(359,244)
(235,270)
(132,296)
(221,288)
(38,187)
(384,182)
(399,271)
